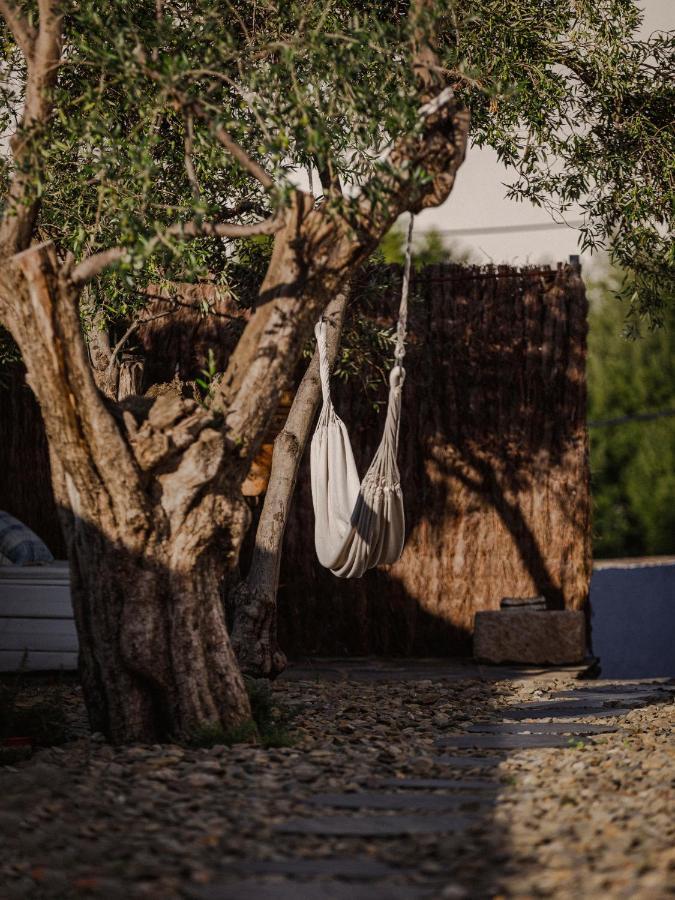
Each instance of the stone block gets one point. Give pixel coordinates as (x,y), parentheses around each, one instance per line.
(555,637)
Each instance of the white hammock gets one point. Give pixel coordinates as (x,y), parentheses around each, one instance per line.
(359,525)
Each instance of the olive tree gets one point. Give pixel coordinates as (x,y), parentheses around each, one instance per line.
(146,142)
(149,491)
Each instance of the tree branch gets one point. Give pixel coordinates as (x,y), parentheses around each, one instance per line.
(47,327)
(253,635)
(21,208)
(233,148)
(93,265)
(330,181)
(439,150)
(425,61)
(222,135)
(43,66)
(189,162)
(315,254)
(24,33)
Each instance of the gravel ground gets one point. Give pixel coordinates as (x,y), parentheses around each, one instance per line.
(594,819)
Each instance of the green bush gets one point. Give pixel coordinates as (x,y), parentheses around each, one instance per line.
(633,462)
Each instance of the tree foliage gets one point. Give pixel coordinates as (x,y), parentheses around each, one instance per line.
(428,249)
(564,92)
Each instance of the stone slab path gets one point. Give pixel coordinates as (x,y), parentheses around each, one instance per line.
(375,826)
(540,728)
(364,804)
(620,698)
(360,868)
(505,741)
(309,891)
(564,710)
(441,784)
(475,762)
(426,802)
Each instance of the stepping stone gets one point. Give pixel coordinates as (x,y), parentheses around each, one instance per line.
(541,728)
(375,826)
(505,741)
(373,800)
(614,696)
(638,687)
(442,784)
(468,762)
(318,890)
(359,867)
(562,710)
(610,701)
(570,703)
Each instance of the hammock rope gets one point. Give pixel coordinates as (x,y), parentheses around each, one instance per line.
(359,524)
(402,324)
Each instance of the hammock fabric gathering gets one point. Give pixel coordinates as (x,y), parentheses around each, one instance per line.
(359,524)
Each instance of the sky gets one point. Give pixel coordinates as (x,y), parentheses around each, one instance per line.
(478,198)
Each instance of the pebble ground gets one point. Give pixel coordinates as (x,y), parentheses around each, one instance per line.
(592,818)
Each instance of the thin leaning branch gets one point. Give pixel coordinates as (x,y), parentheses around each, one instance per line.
(189,161)
(199,111)
(93,265)
(233,148)
(24,34)
(43,55)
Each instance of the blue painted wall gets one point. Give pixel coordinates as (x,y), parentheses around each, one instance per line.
(633,620)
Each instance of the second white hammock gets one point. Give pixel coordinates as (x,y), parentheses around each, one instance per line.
(358,524)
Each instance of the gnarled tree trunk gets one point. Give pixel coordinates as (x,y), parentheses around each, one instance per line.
(150,498)
(148,509)
(150,490)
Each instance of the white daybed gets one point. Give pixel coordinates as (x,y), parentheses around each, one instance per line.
(37,630)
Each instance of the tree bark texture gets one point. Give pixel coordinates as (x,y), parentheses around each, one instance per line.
(494,469)
(148,524)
